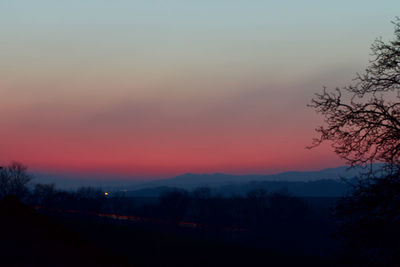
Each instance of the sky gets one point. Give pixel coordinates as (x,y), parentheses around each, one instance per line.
(154,89)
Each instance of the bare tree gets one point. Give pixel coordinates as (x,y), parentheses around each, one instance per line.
(362,122)
(14,179)
(363,119)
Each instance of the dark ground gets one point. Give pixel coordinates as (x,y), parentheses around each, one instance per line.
(32,239)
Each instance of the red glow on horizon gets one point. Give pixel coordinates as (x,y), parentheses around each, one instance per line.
(136,167)
(151,150)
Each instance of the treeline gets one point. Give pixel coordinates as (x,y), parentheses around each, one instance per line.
(15,180)
(274,219)
(268,219)
(254,210)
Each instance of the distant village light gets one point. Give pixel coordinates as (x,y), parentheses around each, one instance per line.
(106,193)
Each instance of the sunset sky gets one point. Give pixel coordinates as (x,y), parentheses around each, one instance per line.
(159,88)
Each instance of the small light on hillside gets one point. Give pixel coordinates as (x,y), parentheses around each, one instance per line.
(106,193)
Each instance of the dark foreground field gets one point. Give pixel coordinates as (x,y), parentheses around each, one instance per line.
(33,239)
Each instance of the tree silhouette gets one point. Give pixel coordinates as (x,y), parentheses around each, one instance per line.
(201,205)
(363,119)
(14,179)
(174,205)
(369,221)
(363,126)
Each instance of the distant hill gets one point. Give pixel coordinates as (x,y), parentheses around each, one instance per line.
(323,183)
(318,188)
(189,181)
